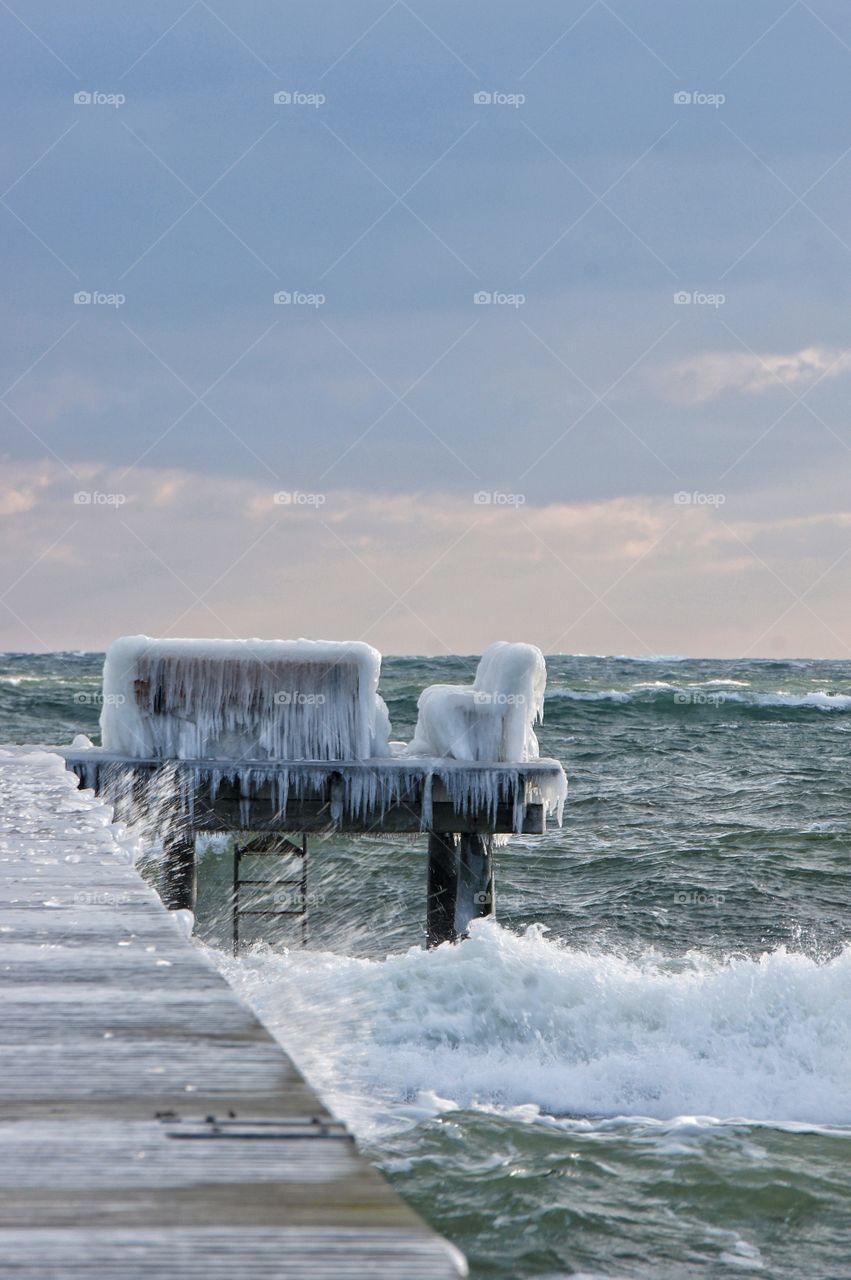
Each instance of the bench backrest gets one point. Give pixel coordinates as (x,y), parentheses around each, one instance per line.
(490,720)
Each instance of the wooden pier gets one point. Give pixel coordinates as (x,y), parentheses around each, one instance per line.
(401,796)
(150,1126)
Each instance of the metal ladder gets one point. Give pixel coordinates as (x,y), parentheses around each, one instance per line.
(270,846)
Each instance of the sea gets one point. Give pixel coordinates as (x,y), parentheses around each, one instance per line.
(642,1067)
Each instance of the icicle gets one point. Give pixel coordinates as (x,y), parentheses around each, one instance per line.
(221,699)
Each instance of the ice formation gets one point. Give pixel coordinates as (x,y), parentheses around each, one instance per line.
(271,716)
(243,699)
(361,792)
(490,720)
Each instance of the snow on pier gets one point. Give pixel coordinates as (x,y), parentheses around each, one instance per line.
(150,1125)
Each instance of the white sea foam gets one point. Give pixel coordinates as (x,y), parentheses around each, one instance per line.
(511,1021)
(590,695)
(707,692)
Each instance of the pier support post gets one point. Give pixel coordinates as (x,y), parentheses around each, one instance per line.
(474,895)
(442,888)
(460,885)
(178,877)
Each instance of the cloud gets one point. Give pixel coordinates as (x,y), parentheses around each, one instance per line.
(699,379)
(171,552)
(15,501)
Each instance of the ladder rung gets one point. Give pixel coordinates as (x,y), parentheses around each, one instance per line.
(270,913)
(295,882)
(271,883)
(271,853)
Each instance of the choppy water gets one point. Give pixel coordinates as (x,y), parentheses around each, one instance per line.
(645,1069)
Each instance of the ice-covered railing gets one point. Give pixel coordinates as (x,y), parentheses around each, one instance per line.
(243,699)
(490,720)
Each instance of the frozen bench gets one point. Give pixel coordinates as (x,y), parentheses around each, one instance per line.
(243,699)
(493,718)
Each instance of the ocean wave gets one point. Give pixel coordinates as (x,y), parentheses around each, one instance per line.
(14,681)
(508,1021)
(706,694)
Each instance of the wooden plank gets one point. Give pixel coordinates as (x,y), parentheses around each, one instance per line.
(150,1125)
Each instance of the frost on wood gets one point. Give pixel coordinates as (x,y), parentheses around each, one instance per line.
(243,699)
(490,720)
(364,792)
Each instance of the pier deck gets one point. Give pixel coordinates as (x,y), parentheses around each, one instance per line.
(150,1125)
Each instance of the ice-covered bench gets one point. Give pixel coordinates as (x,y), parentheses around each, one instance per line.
(243,699)
(490,720)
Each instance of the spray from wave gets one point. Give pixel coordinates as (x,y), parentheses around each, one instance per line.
(509,1020)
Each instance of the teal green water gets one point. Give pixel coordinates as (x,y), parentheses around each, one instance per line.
(644,1070)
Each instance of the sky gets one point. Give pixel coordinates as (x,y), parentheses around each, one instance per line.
(428,324)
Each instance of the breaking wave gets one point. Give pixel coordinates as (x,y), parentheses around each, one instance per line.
(717,693)
(507,1021)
